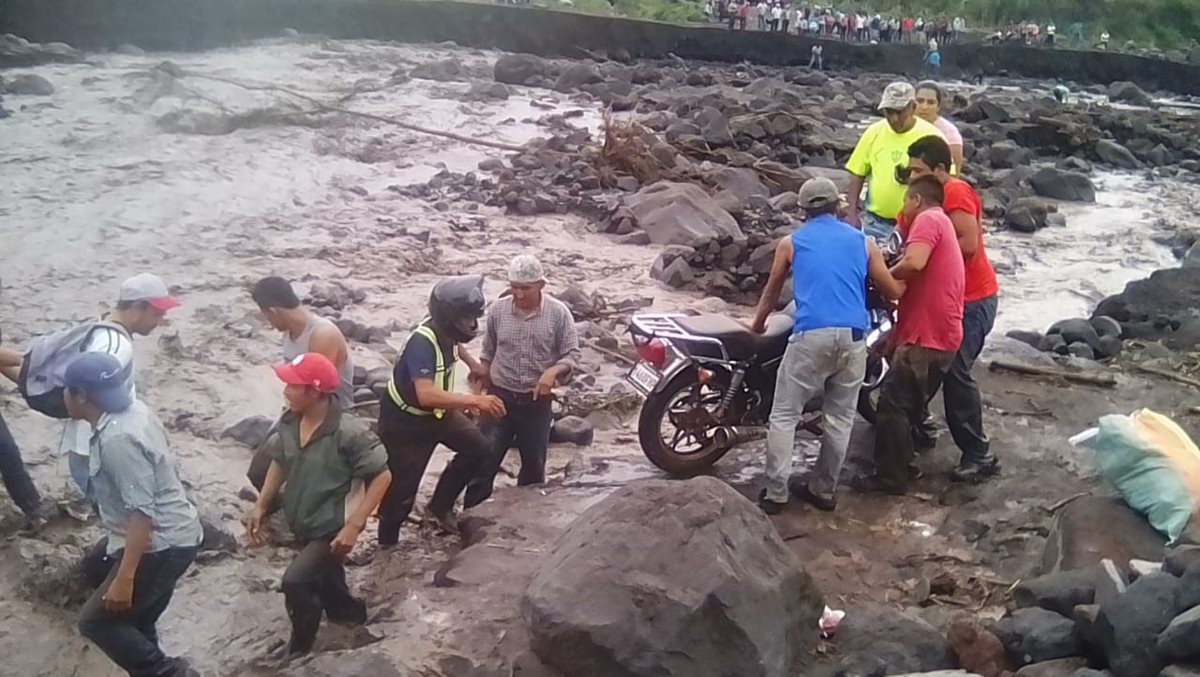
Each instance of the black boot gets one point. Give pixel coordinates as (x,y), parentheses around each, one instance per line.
(304,631)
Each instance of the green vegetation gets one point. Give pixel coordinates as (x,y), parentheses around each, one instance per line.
(675,11)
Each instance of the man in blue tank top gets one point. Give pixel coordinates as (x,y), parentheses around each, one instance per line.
(829,261)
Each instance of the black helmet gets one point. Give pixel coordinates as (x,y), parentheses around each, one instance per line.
(455,306)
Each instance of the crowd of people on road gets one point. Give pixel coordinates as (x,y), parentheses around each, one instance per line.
(321,465)
(946,302)
(827,22)
(865,27)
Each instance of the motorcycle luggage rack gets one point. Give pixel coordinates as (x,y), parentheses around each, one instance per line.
(665,327)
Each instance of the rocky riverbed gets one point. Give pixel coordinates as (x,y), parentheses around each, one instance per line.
(127,164)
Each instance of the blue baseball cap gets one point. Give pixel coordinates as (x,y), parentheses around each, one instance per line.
(101,378)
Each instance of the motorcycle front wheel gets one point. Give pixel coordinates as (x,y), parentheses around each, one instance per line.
(676,427)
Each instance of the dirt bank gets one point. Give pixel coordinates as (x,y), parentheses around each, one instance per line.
(97,190)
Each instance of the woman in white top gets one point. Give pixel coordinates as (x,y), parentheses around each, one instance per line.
(929,108)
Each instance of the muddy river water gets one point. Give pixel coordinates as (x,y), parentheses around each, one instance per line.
(94,191)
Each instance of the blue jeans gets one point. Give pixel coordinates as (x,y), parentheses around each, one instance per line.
(964,405)
(877,227)
(528,424)
(16,478)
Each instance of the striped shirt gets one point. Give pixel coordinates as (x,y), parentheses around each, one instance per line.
(78,434)
(521,346)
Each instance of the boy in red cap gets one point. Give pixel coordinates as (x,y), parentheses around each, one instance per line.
(324,458)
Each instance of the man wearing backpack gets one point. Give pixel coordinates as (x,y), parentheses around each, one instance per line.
(142,303)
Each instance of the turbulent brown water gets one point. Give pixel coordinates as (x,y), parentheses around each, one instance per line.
(95,191)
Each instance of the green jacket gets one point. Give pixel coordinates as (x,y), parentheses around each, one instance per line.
(324,480)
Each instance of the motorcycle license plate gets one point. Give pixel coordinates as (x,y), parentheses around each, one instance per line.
(644,377)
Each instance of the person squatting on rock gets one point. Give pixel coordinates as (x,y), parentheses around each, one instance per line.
(529,347)
(422,410)
(153,531)
(324,458)
(303,332)
(829,261)
(881,151)
(142,304)
(927,336)
(930,156)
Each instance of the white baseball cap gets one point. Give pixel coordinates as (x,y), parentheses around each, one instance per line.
(148,288)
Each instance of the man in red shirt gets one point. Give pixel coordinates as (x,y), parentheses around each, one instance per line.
(927,336)
(964,406)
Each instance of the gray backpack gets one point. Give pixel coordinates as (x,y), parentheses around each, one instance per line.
(45,365)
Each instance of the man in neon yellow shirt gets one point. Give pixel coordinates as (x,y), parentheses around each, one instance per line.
(881,151)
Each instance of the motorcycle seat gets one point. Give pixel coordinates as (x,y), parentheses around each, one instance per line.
(739,341)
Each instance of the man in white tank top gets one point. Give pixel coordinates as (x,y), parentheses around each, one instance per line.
(304,332)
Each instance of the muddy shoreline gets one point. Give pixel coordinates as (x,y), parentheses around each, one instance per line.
(97,190)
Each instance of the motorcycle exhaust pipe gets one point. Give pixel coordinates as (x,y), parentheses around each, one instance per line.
(731,436)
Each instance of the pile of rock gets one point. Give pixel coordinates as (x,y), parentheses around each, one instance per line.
(746,138)
(1096,618)
(1114,603)
(1160,307)
(1096,339)
(17,52)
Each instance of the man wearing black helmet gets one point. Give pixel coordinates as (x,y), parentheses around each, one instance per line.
(422,410)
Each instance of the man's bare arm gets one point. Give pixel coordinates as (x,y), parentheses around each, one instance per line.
(916,257)
(328,341)
(853,199)
(967,228)
(770,295)
(877,269)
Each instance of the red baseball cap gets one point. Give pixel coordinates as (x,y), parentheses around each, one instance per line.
(310,369)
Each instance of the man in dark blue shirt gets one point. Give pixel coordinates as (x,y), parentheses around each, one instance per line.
(422,410)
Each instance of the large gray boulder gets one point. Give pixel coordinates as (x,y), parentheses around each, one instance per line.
(681,213)
(1033,635)
(1063,185)
(518,69)
(1128,626)
(577,75)
(672,579)
(1059,592)
(714,127)
(1117,155)
(28,83)
(1127,92)
(883,640)
(1027,214)
(1181,640)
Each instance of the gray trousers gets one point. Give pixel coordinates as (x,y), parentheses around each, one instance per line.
(823,359)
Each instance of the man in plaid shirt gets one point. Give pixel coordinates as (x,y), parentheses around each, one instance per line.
(529,347)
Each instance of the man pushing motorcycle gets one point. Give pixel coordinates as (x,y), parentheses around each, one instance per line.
(829,261)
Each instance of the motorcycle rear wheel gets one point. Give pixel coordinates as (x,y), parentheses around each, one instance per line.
(658,410)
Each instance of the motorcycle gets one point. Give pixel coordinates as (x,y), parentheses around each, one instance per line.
(709,382)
